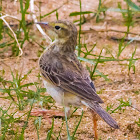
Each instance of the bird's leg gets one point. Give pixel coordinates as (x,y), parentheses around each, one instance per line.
(47,113)
(67,110)
(94,118)
(95,126)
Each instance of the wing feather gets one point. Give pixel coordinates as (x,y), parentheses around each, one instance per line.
(69,74)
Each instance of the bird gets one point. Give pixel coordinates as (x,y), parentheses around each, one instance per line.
(64,77)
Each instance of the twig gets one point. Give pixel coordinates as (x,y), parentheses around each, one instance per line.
(104,30)
(35,21)
(15,25)
(6,15)
(126,39)
(119,90)
(112,37)
(135,108)
(55,9)
(21,52)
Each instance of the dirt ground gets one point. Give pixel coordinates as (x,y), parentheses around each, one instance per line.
(121,84)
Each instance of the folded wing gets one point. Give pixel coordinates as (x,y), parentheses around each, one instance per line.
(69,74)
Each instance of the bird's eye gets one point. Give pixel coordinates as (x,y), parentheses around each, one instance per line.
(57,27)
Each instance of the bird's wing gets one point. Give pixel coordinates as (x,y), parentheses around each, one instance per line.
(69,74)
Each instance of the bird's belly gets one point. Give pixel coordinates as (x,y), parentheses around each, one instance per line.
(55,92)
(60,96)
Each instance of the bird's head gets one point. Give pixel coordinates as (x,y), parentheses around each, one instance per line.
(64,33)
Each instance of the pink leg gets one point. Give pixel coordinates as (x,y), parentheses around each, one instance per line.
(94,116)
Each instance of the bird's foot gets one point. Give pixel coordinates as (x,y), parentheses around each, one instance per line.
(94,118)
(47,113)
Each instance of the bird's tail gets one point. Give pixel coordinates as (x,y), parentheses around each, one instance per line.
(103,114)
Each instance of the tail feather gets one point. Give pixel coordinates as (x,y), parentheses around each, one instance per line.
(103,114)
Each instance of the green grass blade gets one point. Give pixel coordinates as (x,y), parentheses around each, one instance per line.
(77,125)
(97,71)
(133,5)
(66,120)
(79,39)
(57,15)
(1,28)
(132,62)
(52,11)
(50,131)
(80,13)
(86,60)
(91,74)
(26,123)
(102,75)
(60,131)
(98,12)
(117,10)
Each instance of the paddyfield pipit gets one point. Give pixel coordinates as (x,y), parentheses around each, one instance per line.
(64,77)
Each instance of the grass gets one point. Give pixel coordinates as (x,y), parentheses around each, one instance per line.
(79,38)
(50,131)
(15,86)
(19,92)
(37,124)
(73,136)
(21,96)
(121,105)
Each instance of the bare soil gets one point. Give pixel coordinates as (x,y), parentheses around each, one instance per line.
(122,84)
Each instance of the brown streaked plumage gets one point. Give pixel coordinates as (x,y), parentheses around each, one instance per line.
(64,76)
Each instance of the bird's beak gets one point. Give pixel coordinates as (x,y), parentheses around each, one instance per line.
(43,24)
